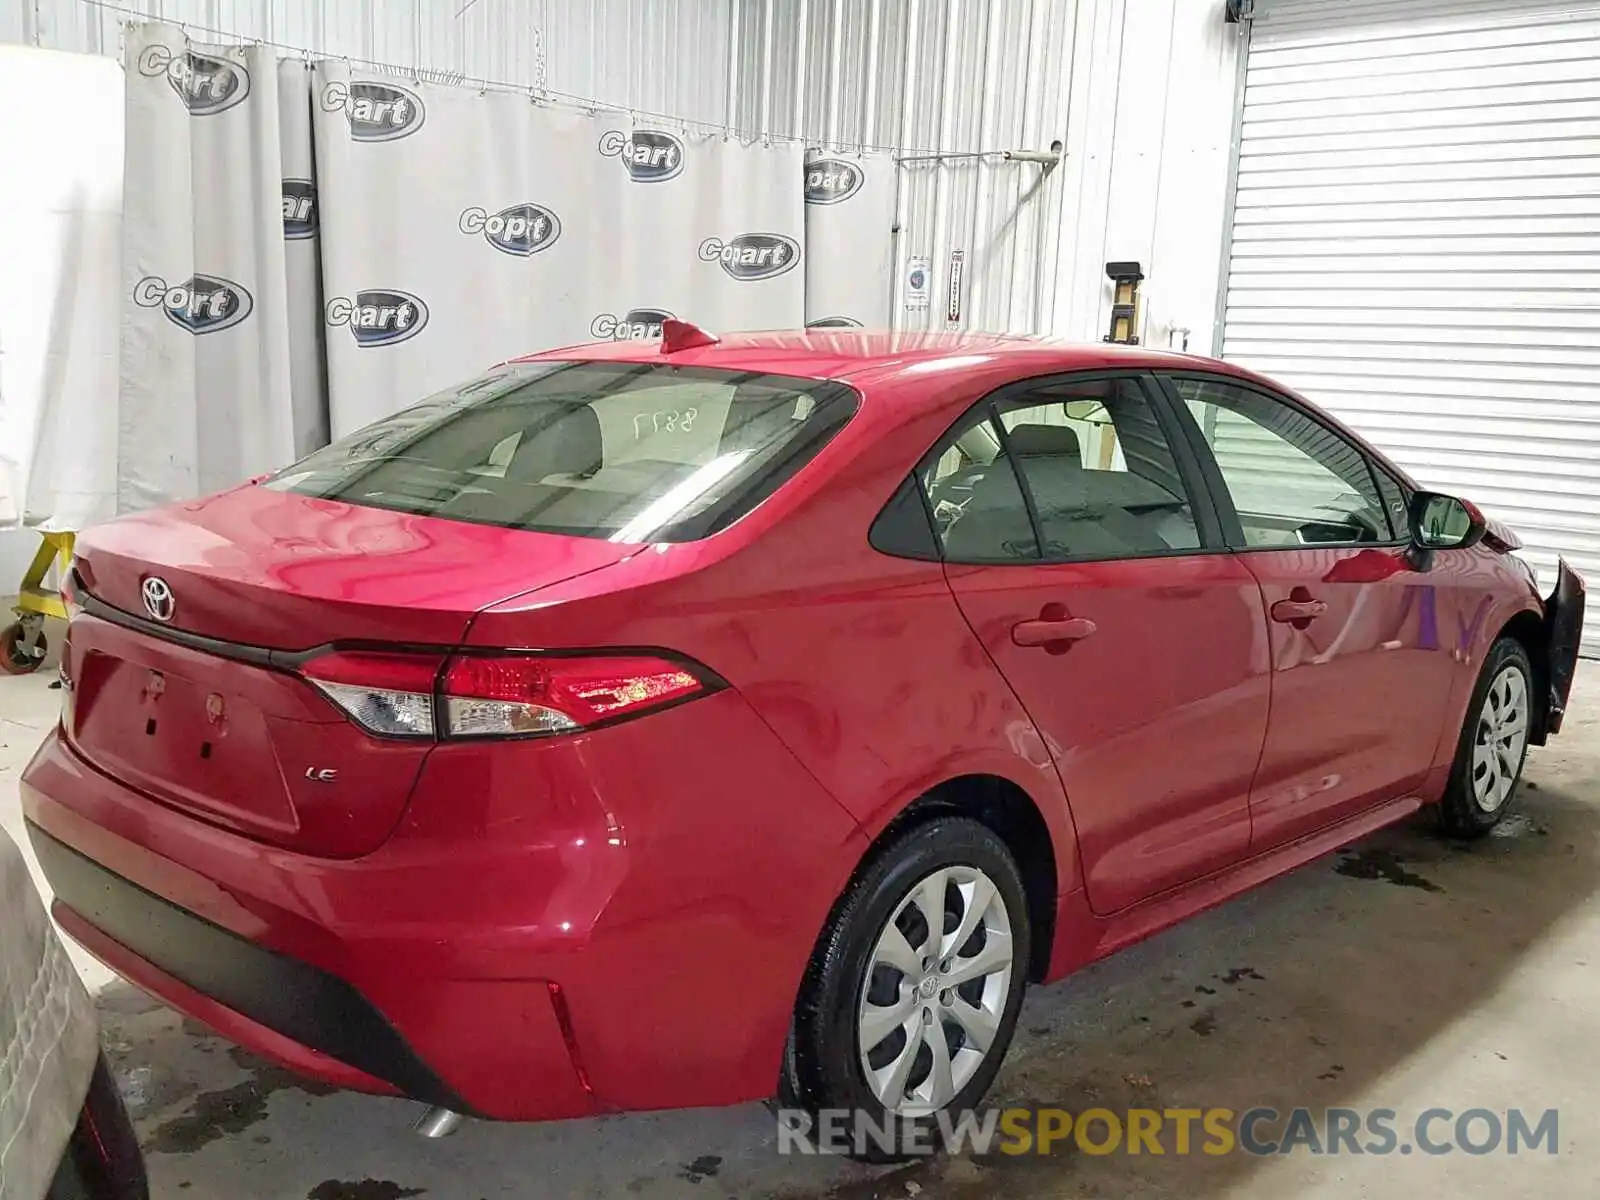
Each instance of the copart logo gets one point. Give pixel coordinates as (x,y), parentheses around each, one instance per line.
(830,180)
(201,304)
(752,256)
(834,323)
(636,324)
(299,209)
(379,317)
(650,155)
(206,85)
(522,229)
(377,112)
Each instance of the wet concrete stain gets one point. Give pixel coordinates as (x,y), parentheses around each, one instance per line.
(961,1177)
(361,1189)
(231,1110)
(1204,990)
(1205,1024)
(1517,825)
(704,1167)
(1332,1072)
(1237,974)
(1377,863)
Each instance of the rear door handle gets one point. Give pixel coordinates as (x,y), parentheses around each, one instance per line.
(1298,612)
(1052,632)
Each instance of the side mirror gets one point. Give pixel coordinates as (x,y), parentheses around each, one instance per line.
(1441,522)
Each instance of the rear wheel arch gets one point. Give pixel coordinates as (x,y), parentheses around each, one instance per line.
(1006,809)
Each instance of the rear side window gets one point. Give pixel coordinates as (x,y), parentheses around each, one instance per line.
(626,451)
(972,489)
(1084,462)
(1103,480)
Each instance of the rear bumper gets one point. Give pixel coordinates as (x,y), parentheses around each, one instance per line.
(555,928)
(287,1010)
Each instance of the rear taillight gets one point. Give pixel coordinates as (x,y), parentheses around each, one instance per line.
(499,695)
(390,694)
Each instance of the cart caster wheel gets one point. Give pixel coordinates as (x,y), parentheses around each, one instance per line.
(21,649)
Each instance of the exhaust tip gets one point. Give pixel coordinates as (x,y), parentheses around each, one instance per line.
(437,1122)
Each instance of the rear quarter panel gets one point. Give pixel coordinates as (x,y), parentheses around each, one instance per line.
(860,662)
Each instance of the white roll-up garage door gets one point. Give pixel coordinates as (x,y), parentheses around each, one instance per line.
(1416,244)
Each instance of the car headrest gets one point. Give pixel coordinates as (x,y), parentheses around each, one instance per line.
(1046,441)
(564,442)
(754,420)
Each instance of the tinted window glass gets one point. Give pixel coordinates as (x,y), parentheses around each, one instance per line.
(1101,474)
(977,505)
(1294,481)
(1396,501)
(626,451)
(902,527)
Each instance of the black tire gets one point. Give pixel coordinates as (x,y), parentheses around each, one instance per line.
(821,1064)
(1461,814)
(18,655)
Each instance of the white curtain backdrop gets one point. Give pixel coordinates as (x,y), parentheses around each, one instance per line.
(309,247)
(308,371)
(60,292)
(205,397)
(850,210)
(460,229)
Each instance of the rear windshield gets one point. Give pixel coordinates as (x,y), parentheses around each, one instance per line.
(626,451)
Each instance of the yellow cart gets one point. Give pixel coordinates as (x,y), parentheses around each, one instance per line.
(22,643)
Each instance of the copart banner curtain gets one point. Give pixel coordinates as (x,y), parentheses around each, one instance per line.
(309,247)
(850,202)
(459,229)
(205,395)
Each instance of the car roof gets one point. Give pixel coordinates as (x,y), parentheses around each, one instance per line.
(853,354)
(867,357)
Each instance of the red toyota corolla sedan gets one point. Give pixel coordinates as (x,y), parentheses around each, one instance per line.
(663,724)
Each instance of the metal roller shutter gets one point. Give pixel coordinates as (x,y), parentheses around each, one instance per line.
(1416,243)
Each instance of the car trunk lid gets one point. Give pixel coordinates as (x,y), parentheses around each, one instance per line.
(205,711)
(282,571)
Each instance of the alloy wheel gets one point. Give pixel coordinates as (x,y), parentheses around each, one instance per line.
(1500,739)
(936,988)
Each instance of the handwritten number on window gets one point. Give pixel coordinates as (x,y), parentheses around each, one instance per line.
(670,420)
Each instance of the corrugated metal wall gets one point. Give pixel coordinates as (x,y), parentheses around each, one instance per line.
(666,56)
(922,76)
(1154,85)
(1138,93)
(1417,243)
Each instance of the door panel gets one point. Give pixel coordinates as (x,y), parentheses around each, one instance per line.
(1358,692)
(1155,720)
(1360,675)
(1076,553)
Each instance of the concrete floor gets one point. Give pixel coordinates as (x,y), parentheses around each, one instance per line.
(1404,973)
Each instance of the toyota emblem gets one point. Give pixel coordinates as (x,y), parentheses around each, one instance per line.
(158,601)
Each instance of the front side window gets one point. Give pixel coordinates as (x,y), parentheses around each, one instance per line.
(626,451)
(1293,481)
(1397,500)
